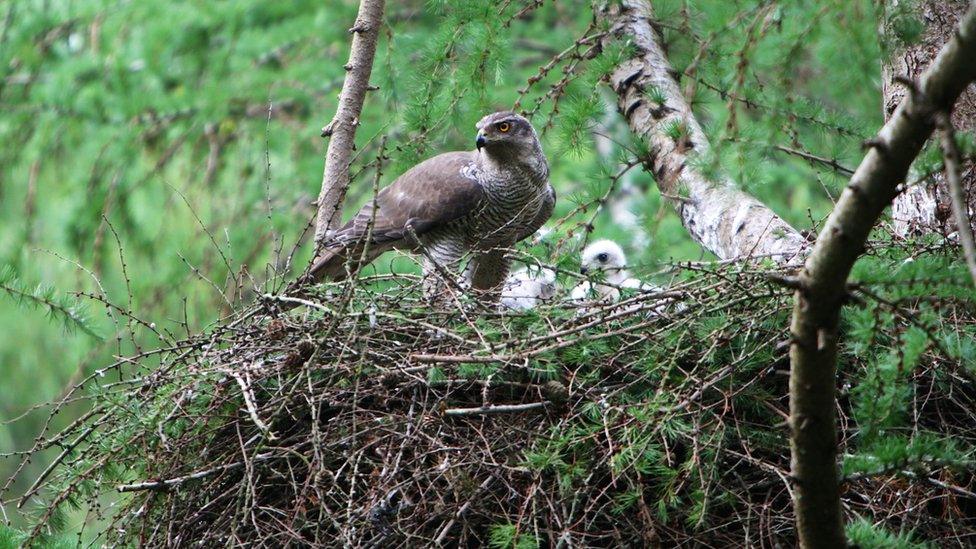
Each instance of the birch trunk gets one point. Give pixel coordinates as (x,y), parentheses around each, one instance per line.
(722,218)
(926,207)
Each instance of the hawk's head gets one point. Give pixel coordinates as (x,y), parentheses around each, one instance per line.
(603,256)
(505,133)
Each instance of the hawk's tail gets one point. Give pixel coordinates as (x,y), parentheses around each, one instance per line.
(340,262)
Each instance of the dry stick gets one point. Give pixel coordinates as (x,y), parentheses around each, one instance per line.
(814,329)
(496,409)
(170,483)
(439,541)
(342,129)
(959,491)
(720,217)
(251,408)
(950,153)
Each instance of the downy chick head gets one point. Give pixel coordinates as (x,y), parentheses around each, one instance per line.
(603,256)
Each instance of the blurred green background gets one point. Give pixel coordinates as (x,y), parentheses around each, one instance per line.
(163,155)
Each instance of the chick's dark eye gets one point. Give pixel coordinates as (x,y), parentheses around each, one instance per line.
(504,127)
(602,258)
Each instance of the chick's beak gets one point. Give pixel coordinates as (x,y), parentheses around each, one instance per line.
(584,270)
(480,140)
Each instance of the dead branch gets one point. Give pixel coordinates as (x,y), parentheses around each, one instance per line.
(342,128)
(951,156)
(495,409)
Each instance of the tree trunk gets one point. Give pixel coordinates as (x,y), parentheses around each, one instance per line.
(821,285)
(723,219)
(925,207)
(342,129)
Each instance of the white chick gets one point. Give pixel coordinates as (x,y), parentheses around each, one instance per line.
(528,287)
(607,257)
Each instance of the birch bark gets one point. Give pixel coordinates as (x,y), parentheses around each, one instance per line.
(722,218)
(927,206)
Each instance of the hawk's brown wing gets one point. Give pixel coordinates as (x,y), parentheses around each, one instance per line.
(429,195)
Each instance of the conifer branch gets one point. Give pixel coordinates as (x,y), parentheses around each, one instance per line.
(719,216)
(69,312)
(823,281)
(342,128)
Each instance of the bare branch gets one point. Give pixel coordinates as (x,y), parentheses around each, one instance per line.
(719,216)
(823,280)
(950,153)
(342,129)
(829,162)
(156,485)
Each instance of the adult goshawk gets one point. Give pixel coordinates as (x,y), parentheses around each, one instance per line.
(453,204)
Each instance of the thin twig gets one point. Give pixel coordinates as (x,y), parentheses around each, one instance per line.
(251,408)
(950,153)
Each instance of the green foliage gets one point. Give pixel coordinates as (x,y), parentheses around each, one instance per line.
(882,396)
(435,375)
(676,130)
(12,539)
(508,536)
(71,314)
(8,537)
(576,123)
(862,534)
(656,95)
(895,453)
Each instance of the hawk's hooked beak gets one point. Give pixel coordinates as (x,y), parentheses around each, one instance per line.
(480,140)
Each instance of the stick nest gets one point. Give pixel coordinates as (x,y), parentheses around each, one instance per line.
(642,423)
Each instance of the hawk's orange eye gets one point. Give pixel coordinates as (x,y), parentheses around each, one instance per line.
(504,127)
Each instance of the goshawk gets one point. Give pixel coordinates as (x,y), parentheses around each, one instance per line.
(458,203)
